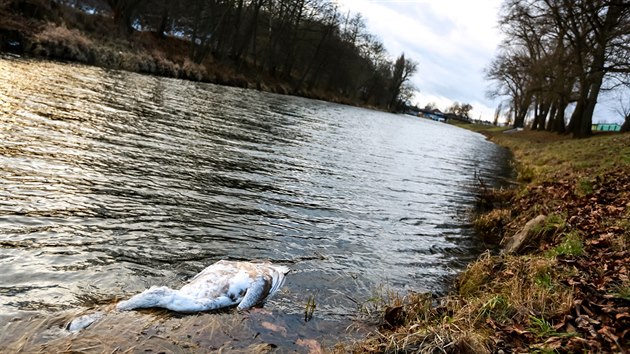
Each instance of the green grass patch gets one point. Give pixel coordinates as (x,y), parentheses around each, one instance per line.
(497,307)
(541,327)
(544,329)
(584,187)
(545,156)
(544,280)
(571,245)
(479,127)
(623,291)
(554,224)
(526,173)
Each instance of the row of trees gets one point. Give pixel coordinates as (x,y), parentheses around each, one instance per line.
(561,52)
(462,110)
(459,109)
(308,43)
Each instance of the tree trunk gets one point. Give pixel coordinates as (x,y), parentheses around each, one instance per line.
(578,113)
(164,25)
(557,122)
(543,115)
(581,127)
(520,110)
(309,67)
(249,33)
(540,117)
(552,114)
(536,116)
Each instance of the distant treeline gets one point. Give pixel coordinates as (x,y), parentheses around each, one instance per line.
(308,44)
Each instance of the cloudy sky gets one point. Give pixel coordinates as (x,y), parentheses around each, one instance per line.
(452,40)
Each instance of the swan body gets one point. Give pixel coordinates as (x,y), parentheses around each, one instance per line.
(223,284)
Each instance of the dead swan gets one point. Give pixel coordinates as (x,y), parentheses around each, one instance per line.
(223,284)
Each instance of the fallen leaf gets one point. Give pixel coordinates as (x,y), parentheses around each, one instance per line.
(275,328)
(606,331)
(313,346)
(622,315)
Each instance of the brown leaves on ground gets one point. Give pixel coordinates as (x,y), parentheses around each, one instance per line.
(554,299)
(599,319)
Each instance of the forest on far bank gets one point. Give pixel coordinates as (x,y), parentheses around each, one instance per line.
(301,47)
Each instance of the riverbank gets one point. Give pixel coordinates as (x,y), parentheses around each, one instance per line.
(48,30)
(561,283)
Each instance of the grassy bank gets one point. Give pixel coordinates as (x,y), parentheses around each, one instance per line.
(564,288)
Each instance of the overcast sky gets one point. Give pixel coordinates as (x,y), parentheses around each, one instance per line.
(453,41)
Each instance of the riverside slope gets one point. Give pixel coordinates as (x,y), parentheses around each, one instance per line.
(568,289)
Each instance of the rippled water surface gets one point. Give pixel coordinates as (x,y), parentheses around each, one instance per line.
(111,182)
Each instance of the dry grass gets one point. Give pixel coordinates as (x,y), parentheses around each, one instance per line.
(61,42)
(511,288)
(502,297)
(495,291)
(414,323)
(493,222)
(478,127)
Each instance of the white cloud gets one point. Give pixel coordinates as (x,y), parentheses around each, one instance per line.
(452,40)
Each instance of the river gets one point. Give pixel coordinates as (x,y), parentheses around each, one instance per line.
(111,182)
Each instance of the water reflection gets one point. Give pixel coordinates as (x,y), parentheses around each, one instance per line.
(115,181)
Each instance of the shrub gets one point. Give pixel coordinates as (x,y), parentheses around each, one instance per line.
(61,42)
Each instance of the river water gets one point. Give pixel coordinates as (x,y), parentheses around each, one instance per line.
(111,182)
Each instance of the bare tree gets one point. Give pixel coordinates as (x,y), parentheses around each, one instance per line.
(497,114)
(557,52)
(593,27)
(430,106)
(509,72)
(403,69)
(464,110)
(124,11)
(623,109)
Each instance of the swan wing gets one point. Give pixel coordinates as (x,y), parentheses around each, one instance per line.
(267,282)
(277,277)
(256,293)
